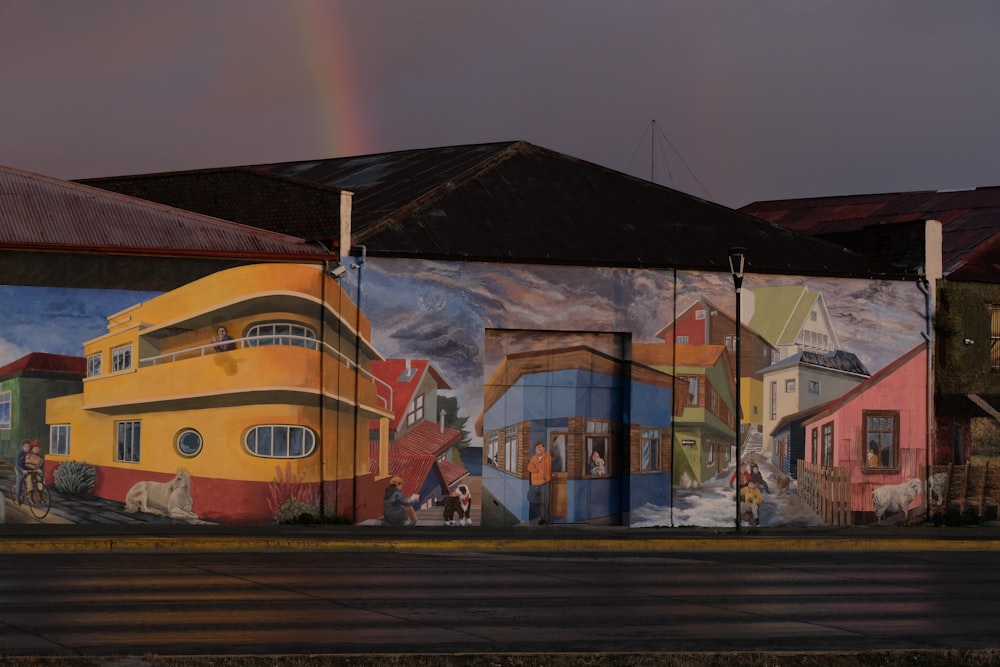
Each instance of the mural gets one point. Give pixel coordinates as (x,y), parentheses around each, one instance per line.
(475,393)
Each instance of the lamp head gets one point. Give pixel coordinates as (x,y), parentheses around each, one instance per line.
(737,263)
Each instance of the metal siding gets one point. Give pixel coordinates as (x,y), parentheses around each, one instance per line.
(38,212)
(517,202)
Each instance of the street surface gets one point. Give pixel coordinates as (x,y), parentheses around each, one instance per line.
(253,603)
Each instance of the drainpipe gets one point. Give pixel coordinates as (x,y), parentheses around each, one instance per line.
(359,264)
(927,284)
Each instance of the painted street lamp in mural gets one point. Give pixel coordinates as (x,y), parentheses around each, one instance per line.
(737,262)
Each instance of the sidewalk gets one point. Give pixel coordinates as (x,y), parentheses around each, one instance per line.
(181,538)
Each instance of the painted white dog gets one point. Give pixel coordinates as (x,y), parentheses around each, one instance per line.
(171,498)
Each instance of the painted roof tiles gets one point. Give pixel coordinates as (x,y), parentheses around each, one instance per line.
(45,362)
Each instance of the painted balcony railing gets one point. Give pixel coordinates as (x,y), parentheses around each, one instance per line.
(280,362)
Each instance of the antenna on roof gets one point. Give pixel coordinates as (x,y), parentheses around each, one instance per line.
(657,134)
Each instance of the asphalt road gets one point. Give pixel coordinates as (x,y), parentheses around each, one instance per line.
(358,601)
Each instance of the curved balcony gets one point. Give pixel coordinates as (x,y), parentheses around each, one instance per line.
(273,368)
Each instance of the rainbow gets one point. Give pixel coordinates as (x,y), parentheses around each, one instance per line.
(327,54)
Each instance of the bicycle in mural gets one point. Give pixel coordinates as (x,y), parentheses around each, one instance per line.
(33,493)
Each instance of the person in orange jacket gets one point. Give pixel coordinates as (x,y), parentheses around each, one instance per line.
(540,467)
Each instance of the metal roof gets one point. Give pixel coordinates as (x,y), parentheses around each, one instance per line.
(970,221)
(39,213)
(510,202)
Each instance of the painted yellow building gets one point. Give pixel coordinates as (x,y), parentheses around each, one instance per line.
(279,412)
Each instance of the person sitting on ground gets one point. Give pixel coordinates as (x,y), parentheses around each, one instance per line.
(750,500)
(397,509)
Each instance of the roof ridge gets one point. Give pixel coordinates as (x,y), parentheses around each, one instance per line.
(435,193)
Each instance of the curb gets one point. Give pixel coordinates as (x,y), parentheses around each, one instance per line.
(191,543)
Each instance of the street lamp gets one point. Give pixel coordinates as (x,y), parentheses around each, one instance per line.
(737,262)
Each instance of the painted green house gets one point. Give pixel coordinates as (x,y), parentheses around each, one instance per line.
(25,385)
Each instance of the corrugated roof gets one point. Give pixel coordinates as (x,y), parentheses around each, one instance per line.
(516,202)
(970,222)
(38,213)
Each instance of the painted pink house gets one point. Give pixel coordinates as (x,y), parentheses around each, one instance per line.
(872,436)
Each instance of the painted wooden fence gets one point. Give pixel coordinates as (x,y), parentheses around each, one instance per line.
(827,491)
(967,489)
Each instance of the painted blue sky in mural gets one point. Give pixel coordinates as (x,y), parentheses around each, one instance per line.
(57,320)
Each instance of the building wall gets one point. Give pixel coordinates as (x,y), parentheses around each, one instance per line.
(442,311)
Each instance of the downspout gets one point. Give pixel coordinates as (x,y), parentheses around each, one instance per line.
(673,408)
(359,264)
(924,286)
(933,272)
(327,270)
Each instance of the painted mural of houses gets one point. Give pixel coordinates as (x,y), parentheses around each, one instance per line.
(421,448)
(792,318)
(804,380)
(574,401)
(705,432)
(448,245)
(703,323)
(25,384)
(951,240)
(875,435)
(285,402)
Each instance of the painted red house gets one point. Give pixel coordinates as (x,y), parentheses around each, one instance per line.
(873,436)
(420,446)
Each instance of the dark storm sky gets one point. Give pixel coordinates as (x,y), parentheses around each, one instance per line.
(752,100)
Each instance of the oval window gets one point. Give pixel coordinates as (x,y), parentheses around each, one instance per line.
(280,441)
(189,442)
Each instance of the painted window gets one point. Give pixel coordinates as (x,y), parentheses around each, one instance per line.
(493,448)
(709,453)
(814,386)
(682,340)
(815,446)
(557,449)
(828,444)
(189,442)
(649,454)
(59,439)
(121,358)
(415,410)
(881,439)
(598,450)
(699,314)
(129,441)
(995,336)
(714,401)
(510,449)
(692,381)
(281,333)
(731,343)
(94,365)
(774,400)
(5,409)
(790,386)
(280,441)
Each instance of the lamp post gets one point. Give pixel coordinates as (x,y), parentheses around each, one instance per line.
(737,262)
